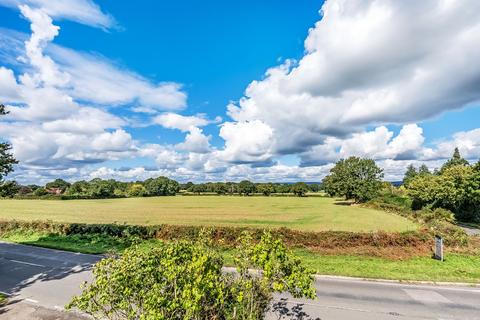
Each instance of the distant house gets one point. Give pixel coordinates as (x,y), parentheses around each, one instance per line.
(55,191)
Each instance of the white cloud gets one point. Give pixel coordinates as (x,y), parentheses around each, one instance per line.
(468,143)
(369,62)
(9,89)
(377,144)
(195,141)
(183,123)
(247,141)
(98,80)
(43,31)
(82,11)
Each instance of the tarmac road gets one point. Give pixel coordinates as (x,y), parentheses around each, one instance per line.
(43,281)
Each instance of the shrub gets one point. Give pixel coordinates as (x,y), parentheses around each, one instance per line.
(183,280)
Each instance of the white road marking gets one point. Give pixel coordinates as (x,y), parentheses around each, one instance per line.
(31,300)
(426,296)
(27,263)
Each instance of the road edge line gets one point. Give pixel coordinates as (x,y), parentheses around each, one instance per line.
(406,282)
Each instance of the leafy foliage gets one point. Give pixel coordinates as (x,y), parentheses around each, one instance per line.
(183,280)
(456,160)
(6,158)
(456,188)
(354,178)
(246,187)
(300,189)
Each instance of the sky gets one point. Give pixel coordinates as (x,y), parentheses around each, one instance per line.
(232,90)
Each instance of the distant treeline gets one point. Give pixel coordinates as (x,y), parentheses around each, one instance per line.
(161,186)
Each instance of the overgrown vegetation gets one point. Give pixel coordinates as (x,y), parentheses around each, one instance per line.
(221,236)
(183,280)
(374,255)
(437,221)
(455,187)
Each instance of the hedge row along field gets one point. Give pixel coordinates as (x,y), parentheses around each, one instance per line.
(382,244)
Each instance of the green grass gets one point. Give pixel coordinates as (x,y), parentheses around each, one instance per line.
(455,267)
(3,299)
(92,244)
(309,213)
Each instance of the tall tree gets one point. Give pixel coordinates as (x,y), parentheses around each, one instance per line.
(6,158)
(409,174)
(354,178)
(456,160)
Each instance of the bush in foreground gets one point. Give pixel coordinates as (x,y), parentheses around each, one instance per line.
(183,280)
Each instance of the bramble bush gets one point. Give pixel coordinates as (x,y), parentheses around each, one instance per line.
(185,280)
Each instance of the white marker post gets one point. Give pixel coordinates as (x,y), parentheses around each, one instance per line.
(438,248)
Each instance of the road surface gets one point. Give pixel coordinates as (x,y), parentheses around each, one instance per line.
(43,279)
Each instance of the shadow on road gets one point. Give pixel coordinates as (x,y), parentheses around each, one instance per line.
(284,309)
(23,266)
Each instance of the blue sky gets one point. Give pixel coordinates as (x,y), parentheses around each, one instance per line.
(221,90)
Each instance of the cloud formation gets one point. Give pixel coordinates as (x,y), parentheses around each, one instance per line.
(369,62)
(81,11)
(371,72)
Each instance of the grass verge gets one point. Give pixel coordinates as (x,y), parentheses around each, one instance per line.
(457,267)
(88,243)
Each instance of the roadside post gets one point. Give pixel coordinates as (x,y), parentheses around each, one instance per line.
(438,248)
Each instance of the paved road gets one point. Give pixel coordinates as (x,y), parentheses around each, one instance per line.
(43,278)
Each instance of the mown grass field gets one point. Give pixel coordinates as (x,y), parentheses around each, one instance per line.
(310,213)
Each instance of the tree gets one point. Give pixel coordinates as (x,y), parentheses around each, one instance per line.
(58,184)
(476,167)
(409,174)
(78,188)
(40,192)
(6,158)
(423,170)
(354,178)
(101,189)
(265,188)
(9,189)
(184,280)
(313,187)
(299,189)
(456,188)
(136,190)
(246,187)
(456,160)
(161,186)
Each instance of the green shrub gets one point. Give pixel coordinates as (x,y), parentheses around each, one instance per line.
(183,280)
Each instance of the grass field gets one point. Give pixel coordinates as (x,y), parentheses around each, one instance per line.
(311,213)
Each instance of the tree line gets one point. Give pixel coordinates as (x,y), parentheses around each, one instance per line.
(160,186)
(455,186)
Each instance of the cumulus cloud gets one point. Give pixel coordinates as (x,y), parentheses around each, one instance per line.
(82,11)
(195,141)
(468,143)
(171,120)
(369,62)
(9,89)
(377,144)
(246,141)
